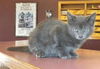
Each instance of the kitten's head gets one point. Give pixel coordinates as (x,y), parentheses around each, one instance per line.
(81,27)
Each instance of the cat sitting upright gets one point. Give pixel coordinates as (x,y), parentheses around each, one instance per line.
(54,38)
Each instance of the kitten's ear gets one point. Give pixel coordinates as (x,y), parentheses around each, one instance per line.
(91,18)
(70,16)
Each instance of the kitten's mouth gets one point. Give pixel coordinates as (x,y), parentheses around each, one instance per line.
(80,38)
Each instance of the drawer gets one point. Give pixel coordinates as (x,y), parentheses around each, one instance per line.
(77,12)
(93,11)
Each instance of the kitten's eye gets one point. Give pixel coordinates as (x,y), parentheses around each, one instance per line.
(75,30)
(84,30)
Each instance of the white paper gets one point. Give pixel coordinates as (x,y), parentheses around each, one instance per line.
(25,18)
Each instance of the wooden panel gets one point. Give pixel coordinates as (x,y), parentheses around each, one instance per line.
(77,12)
(63,17)
(8,62)
(93,11)
(70,6)
(97,23)
(97,29)
(96,35)
(89,59)
(97,17)
(86,8)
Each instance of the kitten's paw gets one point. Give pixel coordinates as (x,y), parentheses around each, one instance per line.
(64,57)
(40,54)
(74,57)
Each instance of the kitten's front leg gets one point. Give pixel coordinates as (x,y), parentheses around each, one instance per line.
(70,51)
(40,54)
(73,54)
(63,54)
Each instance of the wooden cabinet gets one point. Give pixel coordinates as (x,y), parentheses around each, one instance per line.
(81,8)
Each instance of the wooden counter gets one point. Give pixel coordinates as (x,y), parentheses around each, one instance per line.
(89,59)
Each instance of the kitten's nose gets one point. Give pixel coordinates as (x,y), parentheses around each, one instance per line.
(80,36)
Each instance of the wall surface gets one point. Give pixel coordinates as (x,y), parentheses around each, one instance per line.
(7,16)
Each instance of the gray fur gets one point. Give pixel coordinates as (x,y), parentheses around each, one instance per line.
(53,38)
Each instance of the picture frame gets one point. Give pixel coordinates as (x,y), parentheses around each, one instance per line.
(25,18)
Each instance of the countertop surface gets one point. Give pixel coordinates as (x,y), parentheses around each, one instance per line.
(89,59)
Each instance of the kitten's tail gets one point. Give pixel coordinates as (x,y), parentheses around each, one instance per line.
(19,49)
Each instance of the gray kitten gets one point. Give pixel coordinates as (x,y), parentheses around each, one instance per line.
(54,38)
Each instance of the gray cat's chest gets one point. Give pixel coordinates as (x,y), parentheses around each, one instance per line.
(69,41)
(75,44)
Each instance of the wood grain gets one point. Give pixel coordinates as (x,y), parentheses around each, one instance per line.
(88,59)
(7,62)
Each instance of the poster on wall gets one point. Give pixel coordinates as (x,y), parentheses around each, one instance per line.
(25,18)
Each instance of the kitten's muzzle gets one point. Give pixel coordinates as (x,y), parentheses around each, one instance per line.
(80,37)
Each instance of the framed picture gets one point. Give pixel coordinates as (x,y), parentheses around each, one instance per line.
(25,18)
